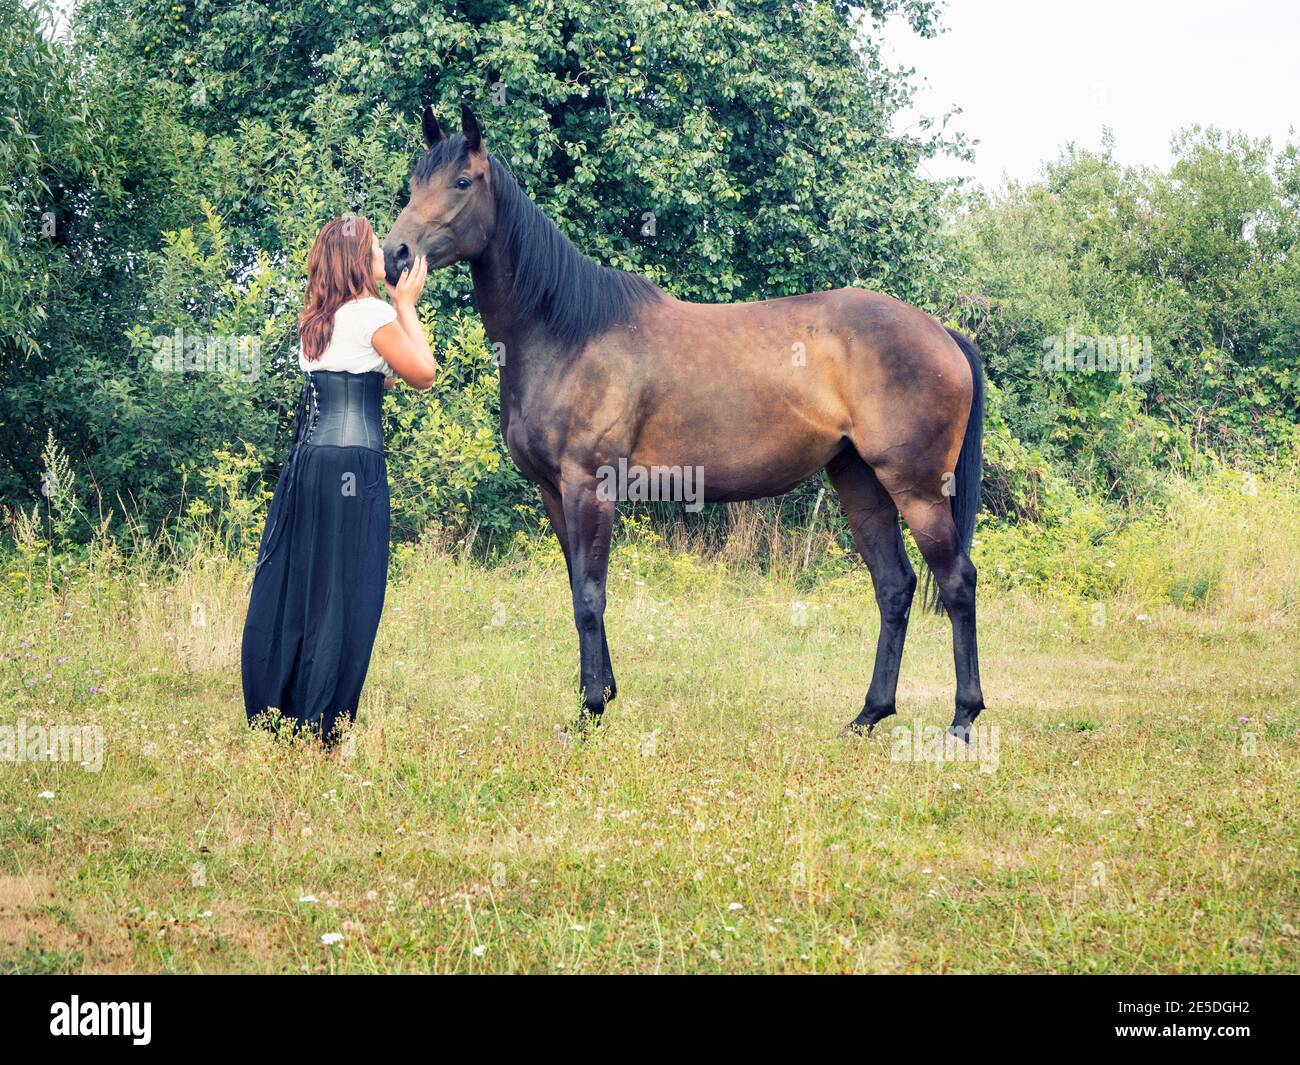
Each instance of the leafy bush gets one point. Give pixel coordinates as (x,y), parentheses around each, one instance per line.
(447,461)
(1228,538)
(1202,263)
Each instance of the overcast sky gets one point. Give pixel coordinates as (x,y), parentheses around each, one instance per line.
(1030,76)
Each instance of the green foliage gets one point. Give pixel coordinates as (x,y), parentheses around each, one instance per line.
(189,153)
(234,517)
(1202,260)
(59,486)
(447,461)
(47,140)
(45,548)
(730,151)
(757,135)
(51,153)
(1226,538)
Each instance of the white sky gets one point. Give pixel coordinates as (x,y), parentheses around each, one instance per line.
(1031,76)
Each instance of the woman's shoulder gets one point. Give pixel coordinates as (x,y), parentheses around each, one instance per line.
(355,324)
(364,306)
(361,317)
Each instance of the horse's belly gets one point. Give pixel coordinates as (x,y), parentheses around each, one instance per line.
(733,462)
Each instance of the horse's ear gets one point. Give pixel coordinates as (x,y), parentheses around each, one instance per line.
(432,131)
(469,127)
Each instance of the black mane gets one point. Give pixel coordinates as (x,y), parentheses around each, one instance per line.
(575,297)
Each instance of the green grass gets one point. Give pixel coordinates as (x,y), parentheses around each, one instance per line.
(1141,816)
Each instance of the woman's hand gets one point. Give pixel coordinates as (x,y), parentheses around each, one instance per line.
(403,343)
(406,293)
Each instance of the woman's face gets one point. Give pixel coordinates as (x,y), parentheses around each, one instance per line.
(376,260)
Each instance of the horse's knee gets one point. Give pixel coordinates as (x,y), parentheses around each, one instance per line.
(895,599)
(588,607)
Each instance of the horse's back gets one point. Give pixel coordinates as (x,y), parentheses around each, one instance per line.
(821,367)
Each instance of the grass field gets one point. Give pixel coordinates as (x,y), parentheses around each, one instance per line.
(1135,809)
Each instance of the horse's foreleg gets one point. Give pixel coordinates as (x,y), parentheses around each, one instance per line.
(873,519)
(589,524)
(555,512)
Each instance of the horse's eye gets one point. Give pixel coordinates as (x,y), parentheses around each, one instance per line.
(462,183)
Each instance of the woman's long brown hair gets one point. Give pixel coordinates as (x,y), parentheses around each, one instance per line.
(338,270)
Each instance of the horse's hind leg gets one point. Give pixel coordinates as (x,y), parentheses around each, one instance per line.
(555,511)
(873,518)
(929,516)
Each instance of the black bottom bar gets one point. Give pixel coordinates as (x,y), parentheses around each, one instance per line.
(231,1013)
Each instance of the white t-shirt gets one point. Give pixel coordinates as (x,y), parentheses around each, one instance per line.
(349,348)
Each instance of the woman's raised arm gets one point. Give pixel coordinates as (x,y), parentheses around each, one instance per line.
(402,344)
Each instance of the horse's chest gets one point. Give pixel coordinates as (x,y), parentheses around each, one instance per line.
(528,447)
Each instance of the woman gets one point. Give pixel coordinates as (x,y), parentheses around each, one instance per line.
(322,566)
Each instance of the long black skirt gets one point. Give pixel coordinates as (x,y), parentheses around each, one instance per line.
(319,589)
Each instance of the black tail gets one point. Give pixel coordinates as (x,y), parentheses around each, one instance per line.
(970,465)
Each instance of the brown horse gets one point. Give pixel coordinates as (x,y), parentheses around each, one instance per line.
(603,372)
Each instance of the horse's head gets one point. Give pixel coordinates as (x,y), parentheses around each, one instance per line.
(451,214)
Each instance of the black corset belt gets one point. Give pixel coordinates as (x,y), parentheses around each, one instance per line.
(335,408)
(345,409)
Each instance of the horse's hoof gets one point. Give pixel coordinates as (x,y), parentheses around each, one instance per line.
(865,723)
(582,726)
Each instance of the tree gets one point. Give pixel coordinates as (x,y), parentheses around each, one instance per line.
(727,151)
(48,151)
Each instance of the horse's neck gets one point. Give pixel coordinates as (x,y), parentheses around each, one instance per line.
(493,275)
(523,350)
